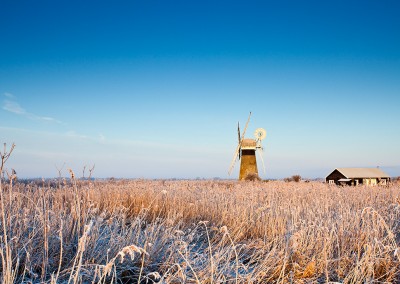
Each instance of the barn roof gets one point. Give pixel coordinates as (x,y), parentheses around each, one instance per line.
(363,173)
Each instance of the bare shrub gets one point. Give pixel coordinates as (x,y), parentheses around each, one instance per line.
(295,178)
(252,177)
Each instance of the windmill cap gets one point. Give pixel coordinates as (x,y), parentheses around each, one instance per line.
(249,144)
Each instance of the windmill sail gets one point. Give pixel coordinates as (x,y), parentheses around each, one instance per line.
(262,159)
(238,148)
(239,137)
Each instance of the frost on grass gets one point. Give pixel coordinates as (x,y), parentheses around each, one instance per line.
(198,232)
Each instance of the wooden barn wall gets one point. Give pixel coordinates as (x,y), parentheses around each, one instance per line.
(335,175)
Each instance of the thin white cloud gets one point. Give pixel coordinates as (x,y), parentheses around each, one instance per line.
(14,107)
(46,118)
(69,134)
(11,105)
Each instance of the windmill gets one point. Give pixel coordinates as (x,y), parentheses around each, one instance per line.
(246,152)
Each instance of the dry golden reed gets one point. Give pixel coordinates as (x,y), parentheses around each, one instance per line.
(143,231)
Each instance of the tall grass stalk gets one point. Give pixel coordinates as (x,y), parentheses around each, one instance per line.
(8,273)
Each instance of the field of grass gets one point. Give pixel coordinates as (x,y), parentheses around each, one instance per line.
(143,231)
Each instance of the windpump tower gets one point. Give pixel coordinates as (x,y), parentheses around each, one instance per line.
(246,152)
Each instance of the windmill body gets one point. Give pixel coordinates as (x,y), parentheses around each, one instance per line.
(246,153)
(248,161)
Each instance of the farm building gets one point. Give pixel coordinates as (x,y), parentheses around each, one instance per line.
(356,176)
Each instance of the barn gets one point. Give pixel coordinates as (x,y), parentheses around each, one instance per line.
(358,176)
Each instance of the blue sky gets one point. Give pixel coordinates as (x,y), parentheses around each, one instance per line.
(154,89)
